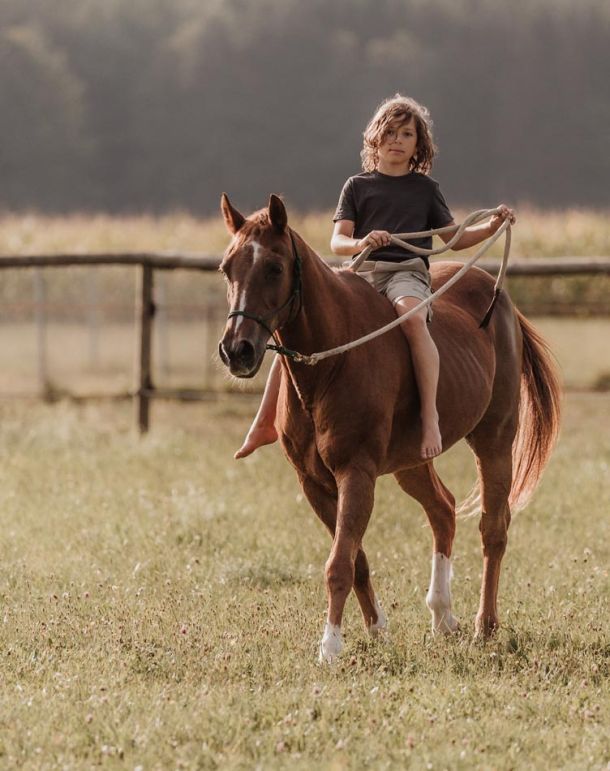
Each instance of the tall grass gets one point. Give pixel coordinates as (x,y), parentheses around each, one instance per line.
(537,234)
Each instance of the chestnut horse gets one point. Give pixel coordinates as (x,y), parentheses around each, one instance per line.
(353,417)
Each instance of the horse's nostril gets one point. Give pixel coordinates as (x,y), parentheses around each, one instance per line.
(244,351)
(222,352)
(240,357)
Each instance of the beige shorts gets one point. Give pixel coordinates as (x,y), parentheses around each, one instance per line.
(396,280)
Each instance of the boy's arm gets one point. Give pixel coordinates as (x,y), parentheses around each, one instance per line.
(477,233)
(342,242)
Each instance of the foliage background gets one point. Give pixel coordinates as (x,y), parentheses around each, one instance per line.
(132,105)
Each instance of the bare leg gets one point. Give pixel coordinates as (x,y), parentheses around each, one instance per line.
(262,431)
(426,366)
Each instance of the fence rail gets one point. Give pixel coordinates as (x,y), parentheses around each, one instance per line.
(546,266)
(148,262)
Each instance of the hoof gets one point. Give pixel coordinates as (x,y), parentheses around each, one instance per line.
(381,625)
(331,644)
(445,624)
(438,598)
(485,627)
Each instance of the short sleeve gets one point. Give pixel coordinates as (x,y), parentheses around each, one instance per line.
(440,214)
(346,208)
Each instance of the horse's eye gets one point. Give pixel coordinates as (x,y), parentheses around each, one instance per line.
(275,269)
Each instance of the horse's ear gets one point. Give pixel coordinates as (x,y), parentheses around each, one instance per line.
(233,219)
(277,213)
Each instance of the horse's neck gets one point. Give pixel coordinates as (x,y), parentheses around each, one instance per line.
(322,294)
(315,326)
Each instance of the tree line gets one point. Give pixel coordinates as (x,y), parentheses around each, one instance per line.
(156,105)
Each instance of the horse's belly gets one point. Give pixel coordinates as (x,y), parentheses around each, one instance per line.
(464,394)
(467,372)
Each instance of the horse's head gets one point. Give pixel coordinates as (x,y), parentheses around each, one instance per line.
(262,270)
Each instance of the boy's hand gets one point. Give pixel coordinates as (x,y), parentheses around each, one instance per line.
(504,213)
(375,239)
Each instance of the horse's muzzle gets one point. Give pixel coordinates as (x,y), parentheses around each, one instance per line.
(242,358)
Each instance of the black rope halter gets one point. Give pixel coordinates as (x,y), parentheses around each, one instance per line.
(297,287)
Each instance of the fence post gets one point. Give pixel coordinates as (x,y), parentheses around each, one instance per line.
(162,325)
(93,319)
(40,311)
(144,318)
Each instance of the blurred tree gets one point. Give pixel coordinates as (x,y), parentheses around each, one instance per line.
(43,148)
(161,104)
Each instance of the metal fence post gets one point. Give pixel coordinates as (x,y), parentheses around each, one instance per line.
(144,318)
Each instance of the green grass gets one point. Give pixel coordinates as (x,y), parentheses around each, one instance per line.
(161,607)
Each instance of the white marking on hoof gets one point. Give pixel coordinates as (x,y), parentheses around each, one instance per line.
(331,644)
(438,598)
(381,624)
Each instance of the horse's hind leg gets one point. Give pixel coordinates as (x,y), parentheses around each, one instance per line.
(494,460)
(374,617)
(424,484)
(492,442)
(323,500)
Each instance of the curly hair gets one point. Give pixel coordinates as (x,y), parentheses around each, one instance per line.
(399,108)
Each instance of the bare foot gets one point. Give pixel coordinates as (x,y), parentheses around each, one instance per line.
(257,437)
(432,443)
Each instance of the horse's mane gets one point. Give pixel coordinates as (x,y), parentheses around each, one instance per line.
(257,220)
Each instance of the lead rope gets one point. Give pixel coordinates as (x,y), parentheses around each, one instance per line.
(399,239)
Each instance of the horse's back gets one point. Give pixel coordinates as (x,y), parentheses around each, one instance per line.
(472,293)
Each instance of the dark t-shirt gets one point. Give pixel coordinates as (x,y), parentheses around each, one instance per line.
(405,204)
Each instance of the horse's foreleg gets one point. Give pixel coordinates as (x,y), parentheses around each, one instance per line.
(324,502)
(424,484)
(355,488)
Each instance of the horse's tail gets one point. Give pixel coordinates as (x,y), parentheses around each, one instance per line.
(539,415)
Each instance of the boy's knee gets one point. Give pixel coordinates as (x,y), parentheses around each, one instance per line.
(415,325)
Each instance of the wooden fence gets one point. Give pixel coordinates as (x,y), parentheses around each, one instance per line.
(148,263)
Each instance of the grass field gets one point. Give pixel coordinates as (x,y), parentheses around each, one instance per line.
(161,607)
(161,604)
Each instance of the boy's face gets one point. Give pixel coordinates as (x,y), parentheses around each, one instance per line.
(398,144)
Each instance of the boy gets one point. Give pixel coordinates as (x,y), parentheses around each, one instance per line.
(394,194)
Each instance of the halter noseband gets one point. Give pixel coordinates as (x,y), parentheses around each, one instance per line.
(296,292)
